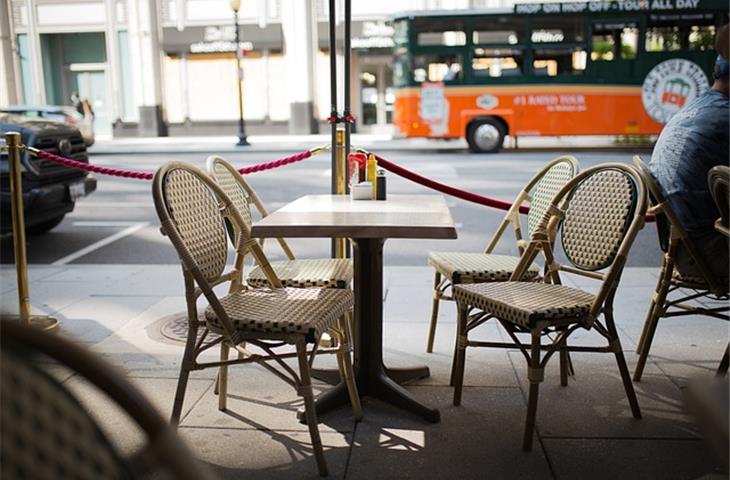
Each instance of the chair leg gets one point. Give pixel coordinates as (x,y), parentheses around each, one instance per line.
(535,375)
(652,320)
(305,391)
(724,363)
(182,381)
(618,352)
(348,376)
(462,337)
(434,312)
(222,378)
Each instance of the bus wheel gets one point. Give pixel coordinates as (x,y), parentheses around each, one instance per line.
(485,135)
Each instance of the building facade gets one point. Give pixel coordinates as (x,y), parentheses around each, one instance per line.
(159,67)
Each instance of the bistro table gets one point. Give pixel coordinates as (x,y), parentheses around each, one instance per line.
(368,223)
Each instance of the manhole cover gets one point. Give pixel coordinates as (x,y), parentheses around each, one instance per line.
(175,328)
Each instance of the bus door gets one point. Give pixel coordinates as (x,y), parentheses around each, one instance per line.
(614,48)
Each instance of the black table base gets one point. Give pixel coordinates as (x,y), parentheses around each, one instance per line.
(373,379)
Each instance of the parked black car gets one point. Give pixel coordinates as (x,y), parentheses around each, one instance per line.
(50,190)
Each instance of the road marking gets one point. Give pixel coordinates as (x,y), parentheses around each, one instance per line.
(114,204)
(105,223)
(101,243)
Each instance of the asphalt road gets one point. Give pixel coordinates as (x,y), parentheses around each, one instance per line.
(117,224)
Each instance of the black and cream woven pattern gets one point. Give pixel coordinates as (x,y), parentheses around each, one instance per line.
(307,311)
(328,272)
(526,303)
(554,179)
(235,192)
(460,267)
(597,218)
(194,209)
(46,433)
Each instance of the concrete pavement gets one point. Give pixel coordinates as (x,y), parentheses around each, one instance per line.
(585,430)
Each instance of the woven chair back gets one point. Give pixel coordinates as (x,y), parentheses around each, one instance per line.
(537,193)
(232,183)
(719,182)
(599,212)
(549,181)
(671,230)
(47,433)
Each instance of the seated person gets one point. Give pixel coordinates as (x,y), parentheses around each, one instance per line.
(692,142)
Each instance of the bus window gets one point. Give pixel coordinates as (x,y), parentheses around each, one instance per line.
(499,30)
(434,32)
(552,62)
(662,39)
(505,62)
(671,32)
(557,30)
(614,40)
(701,37)
(437,68)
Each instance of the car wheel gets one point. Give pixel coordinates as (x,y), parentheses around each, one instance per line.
(45,227)
(485,135)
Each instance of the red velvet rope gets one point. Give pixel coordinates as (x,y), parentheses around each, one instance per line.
(447,189)
(463,194)
(119,172)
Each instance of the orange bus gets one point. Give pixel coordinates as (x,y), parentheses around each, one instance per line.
(579,68)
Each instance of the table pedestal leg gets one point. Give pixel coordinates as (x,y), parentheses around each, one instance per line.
(371,376)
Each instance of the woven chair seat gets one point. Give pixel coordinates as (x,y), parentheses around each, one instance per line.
(328,272)
(307,311)
(526,303)
(460,267)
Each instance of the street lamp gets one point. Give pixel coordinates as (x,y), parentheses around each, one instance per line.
(242,140)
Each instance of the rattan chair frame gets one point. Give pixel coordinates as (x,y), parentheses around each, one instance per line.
(558,330)
(443,285)
(163,448)
(718,180)
(681,291)
(198,282)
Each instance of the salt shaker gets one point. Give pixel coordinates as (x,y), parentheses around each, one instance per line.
(380,185)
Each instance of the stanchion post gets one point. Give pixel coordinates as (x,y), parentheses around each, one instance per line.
(341,168)
(12,141)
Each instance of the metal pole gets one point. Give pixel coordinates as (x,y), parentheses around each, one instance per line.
(347,112)
(242,140)
(12,140)
(333,105)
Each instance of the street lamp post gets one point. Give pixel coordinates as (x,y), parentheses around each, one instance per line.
(242,140)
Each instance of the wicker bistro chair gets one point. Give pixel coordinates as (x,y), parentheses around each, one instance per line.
(192,208)
(681,287)
(719,181)
(455,268)
(598,213)
(45,432)
(293,272)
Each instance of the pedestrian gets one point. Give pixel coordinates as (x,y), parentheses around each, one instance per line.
(693,141)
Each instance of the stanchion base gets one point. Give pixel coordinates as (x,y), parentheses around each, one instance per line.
(41,322)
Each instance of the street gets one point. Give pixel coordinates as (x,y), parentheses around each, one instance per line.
(117,224)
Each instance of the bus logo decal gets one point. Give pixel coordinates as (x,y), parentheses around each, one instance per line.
(669,86)
(487,101)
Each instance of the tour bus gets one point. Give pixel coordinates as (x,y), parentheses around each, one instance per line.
(579,68)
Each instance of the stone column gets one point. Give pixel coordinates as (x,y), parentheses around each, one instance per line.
(299,23)
(38,95)
(8,71)
(144,42)
(113,67)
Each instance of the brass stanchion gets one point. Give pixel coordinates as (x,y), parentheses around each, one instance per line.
(341,243)
(12,141)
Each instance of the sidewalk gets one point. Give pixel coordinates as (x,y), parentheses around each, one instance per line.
(126,313)
(297,143)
